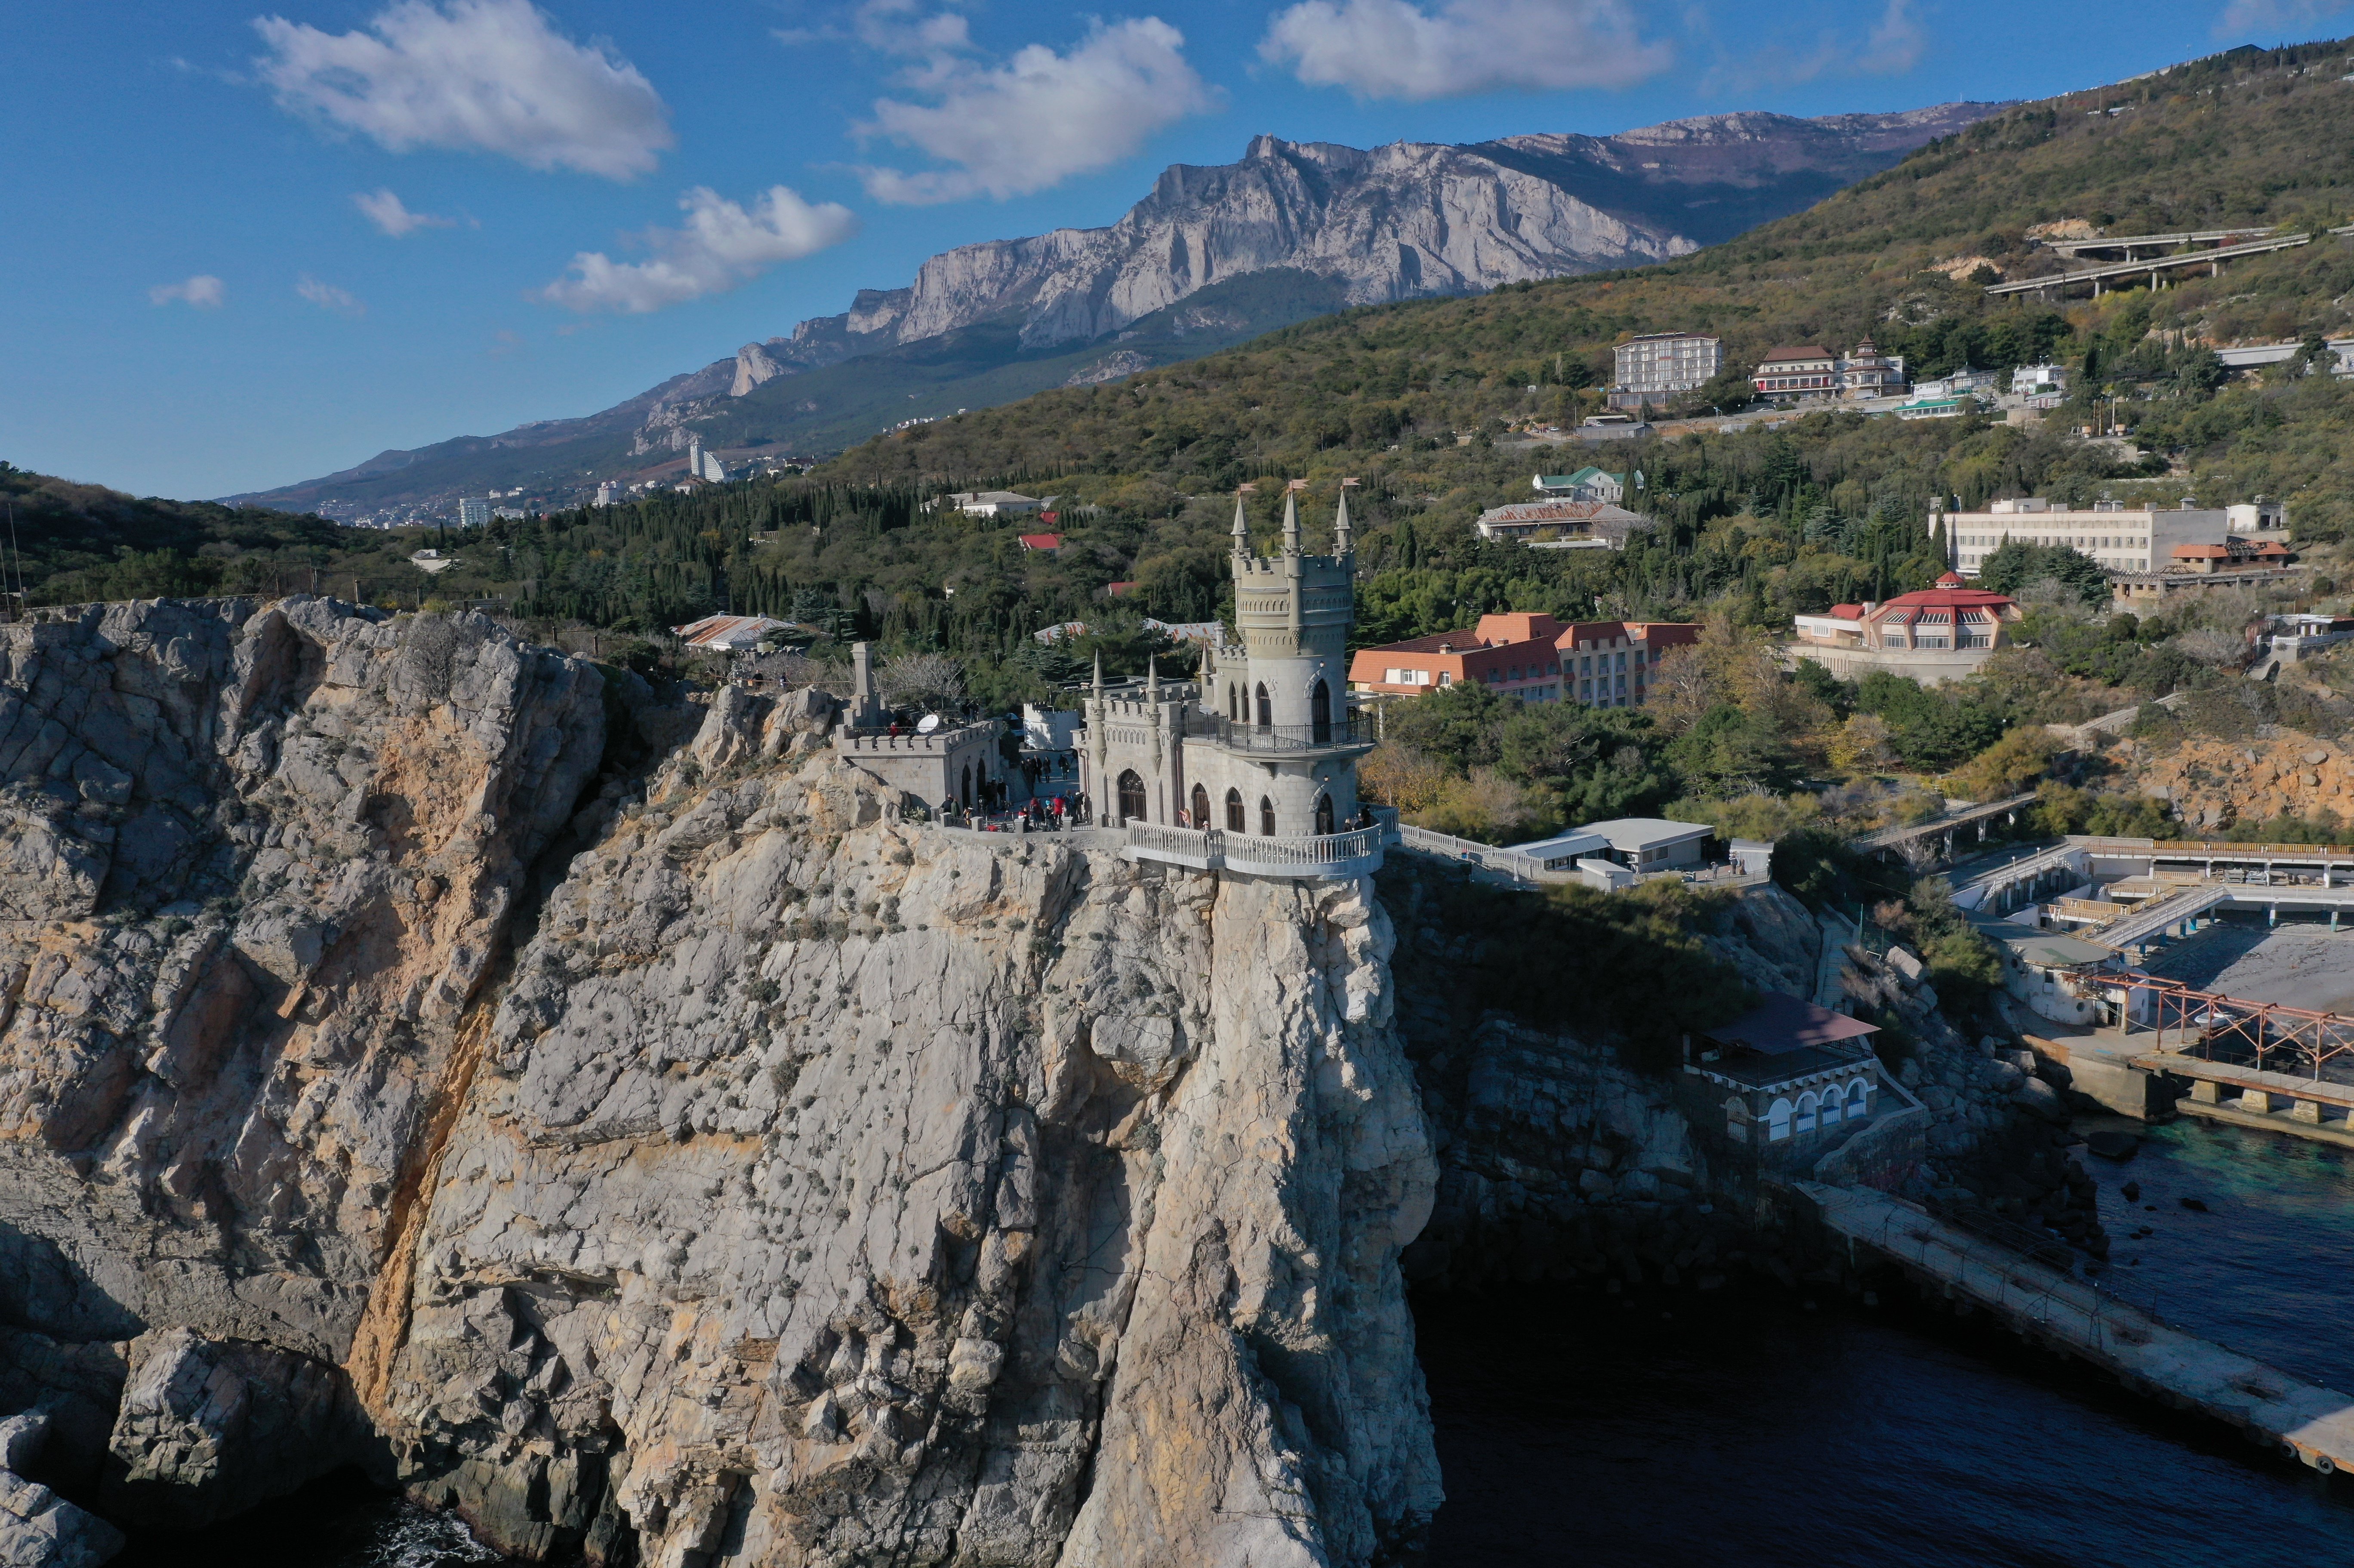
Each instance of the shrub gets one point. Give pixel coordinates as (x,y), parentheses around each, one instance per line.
(1627,967)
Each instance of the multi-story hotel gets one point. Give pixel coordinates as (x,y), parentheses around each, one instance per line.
(2142,539)
(1656,367)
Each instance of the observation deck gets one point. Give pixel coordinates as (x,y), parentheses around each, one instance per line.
(1352,733)
(1354,854)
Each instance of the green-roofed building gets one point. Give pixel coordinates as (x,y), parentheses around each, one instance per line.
(1588,484)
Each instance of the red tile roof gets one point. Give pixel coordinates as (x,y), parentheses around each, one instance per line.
(1039,541)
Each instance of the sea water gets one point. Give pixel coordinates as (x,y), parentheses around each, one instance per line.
(1746,1428)
(1749,1427)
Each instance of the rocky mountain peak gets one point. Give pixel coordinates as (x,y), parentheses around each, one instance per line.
(1327,225)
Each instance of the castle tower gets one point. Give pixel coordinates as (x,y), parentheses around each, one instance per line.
(1254,771)
(1294,611)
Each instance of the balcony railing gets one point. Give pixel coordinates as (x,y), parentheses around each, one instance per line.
(1326,854)
(1351,730)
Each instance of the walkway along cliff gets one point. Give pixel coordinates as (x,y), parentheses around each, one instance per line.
(699,1167)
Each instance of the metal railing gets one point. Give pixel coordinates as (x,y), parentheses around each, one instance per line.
(1213,849)
(1351,730)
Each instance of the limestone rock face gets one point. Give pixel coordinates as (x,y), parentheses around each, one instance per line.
(40,1529)
(208,1429)
(810,1186)
(265,858)
(835,1189)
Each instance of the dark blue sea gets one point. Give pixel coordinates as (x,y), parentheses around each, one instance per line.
(1588,1430)
(1748,1428)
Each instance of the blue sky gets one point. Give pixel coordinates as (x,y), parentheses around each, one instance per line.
(251,245)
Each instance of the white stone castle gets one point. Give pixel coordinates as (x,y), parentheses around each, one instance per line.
(1253,768)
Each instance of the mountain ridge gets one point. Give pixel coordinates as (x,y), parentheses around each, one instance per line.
(1360,226)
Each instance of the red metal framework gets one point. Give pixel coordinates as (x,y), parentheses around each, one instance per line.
(2215,1027)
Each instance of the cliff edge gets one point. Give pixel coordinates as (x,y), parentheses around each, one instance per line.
(691,1168)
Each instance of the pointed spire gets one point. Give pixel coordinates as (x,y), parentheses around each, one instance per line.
(1343,539)
(1290,522)
(1152,677)
(1098,674)
(1242,522)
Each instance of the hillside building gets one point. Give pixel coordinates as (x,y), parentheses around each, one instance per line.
(1809,370)
(1659,367)
(1868,372)
(1939,634)
(473,513)
(1790,1070)
(1588,484)
(1600,663)
(729,633)
(2142,539)
(1562,524)
(995,502)
(1803,370)
(1253,770)
(1962,383)
(703,466)
(2235,554)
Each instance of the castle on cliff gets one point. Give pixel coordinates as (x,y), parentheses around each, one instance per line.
(1252,768)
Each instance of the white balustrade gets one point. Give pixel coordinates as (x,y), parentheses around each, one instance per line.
(1328,854)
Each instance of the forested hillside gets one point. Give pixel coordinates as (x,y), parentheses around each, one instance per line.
(1429,405)
(2248,137)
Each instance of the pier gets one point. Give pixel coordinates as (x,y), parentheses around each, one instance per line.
(2300,1420)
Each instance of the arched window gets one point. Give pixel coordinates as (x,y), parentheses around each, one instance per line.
(1266,817)
(964,787)
(1234,703)
(1200,807)
(1805,1122)
(1131,797)
(1234,819)
(1265,708)
(1831,1102)
(1777,1121)
(1319,712)
(1858,1099)
(1324,816)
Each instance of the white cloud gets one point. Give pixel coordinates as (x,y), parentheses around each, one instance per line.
(385,211)
(204,291)
(1039,118)
(488,74)
(2258,16)
(1895,44)
(1391,49)
(721,246)
(327,297)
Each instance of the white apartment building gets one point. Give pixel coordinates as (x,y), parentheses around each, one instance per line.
(1654,368)
(2141,539)
(473,513)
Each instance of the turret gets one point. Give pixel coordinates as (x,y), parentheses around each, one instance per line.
(1242,524)
(1344,541)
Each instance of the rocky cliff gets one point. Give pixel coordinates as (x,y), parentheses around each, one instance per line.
(1320,226)
(687,1168)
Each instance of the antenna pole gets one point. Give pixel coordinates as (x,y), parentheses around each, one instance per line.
(16,550)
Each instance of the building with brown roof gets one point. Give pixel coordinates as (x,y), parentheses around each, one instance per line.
(1562,524)
(1600,663)
(1939,634)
